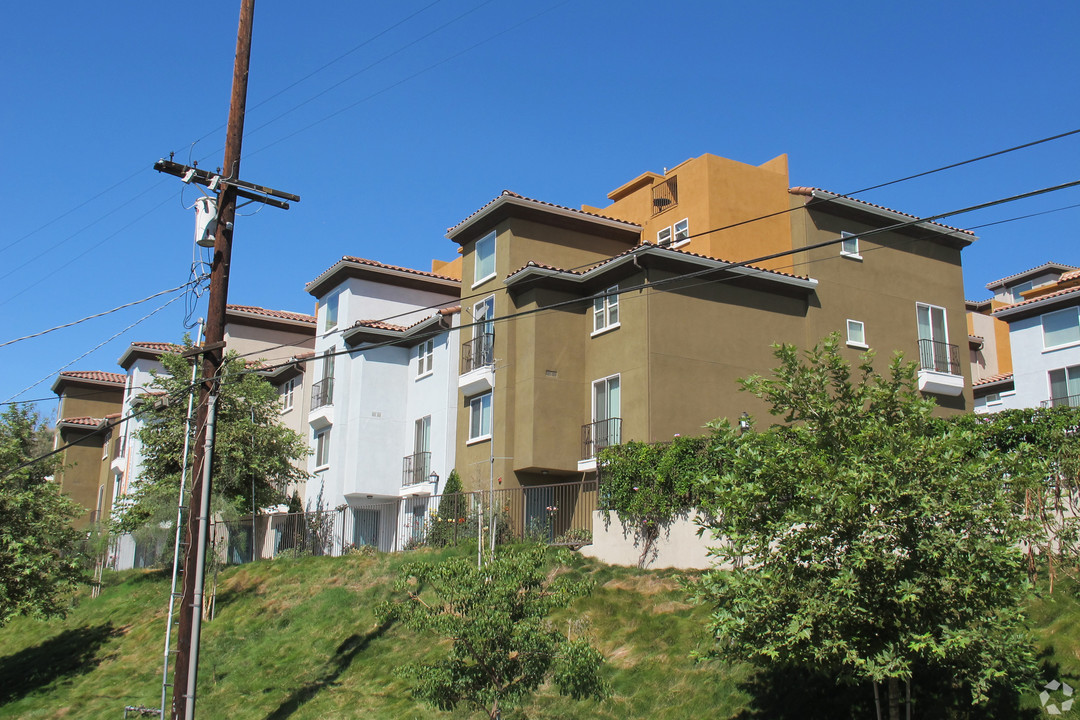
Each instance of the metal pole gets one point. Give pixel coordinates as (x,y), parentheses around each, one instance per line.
(179,527)
(200,555)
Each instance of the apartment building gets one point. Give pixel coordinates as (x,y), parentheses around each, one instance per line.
(1041,308)
(595,326)
(382,413)
(88,401)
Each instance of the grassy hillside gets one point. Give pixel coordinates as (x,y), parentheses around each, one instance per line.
(297,638)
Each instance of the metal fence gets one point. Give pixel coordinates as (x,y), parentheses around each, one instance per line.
(555,514)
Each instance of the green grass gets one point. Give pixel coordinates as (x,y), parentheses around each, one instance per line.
(297,638)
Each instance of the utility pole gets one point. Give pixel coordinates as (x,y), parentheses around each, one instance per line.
(229,186)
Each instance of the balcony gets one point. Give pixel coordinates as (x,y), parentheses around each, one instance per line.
(665,195)
(1063,401)
(939,368)
(596,436)
(322,393)
(416,469)
(477,364)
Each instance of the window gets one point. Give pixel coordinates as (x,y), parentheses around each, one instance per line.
(105,446)
(287,391)
(606,310)
(484,267)
(1061,328)
(322,448)
(422,435)
(425,358)
(607,414)
(682,232)
(480,417)
(663,237)
(993,399)
(1016,290)
(856,334)
(330,310)
(935,353)
(849,246)
(1065,386)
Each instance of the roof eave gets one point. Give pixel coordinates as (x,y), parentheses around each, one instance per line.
(467,229)
(344,269)
(960,236)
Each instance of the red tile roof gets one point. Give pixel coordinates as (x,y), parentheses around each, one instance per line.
(84,421)
(1044,266)
(509,193)
(450,310)
(379,325)
(637,248)
(1071,275)
(384,266)
(279,314)
(157,346)
(993,379)
(96,376)
(1040,298)
(809,191)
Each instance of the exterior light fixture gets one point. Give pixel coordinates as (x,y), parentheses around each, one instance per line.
(434,478)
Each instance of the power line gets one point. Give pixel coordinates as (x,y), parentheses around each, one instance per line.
(96,347)
(100,314)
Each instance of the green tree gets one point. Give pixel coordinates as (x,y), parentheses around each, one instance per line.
(253,452)
(447,526)
(40,558)
(503,645)
(866,538)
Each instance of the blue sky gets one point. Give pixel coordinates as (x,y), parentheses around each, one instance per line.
(421,124)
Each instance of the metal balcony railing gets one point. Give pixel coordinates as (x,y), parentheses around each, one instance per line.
(416,469)
(478,353)
(939,356)
(322,393)
(665,195)
(1063,401)
(598,435)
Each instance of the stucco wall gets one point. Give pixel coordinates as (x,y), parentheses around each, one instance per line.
(678,546)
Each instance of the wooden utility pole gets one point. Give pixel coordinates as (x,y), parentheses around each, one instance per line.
(183,705)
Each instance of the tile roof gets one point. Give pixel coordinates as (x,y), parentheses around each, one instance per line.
(1040,298)
(278,314)
(379,325)
(84,421)
(385,266)
(637,248)
(1071,275)
(157,346)
(1044,266)
(993,379)
(809,191)
(511,194)
(96,376)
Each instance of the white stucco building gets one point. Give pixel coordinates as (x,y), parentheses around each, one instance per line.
(383,393)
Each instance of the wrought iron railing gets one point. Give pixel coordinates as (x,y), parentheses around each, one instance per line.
(478,352)
(598,435)
(665,195)
(416,468)
(1062,401)
(939,356)
(322,393)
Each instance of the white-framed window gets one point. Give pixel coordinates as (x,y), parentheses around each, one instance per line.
(1016,290)
(105,446)
(993,399)
(1065,386)
(484,259)
(606,311)
(856,334)
(288,392)
(322,447)
(935,353)
(849,245)
(663,237)
(606,413)
(330,313)
(1061,328)
(480,417)
(682,233)
(425,358)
